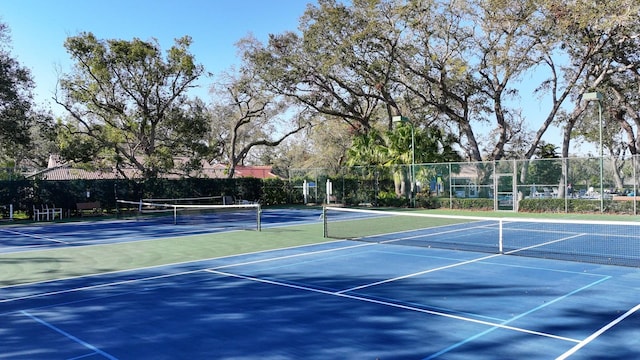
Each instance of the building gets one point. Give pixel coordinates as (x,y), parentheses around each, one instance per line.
(57,170)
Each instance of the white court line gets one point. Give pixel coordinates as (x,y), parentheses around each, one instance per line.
(90,287)
(32,296)
(515,251)
(453,265)
(284,257)
(35,236)
(108,242)
(419,236)
(387,303)
(593,336)
(417,273)
(24,248)
(567,231)
(521,315)
(130,239)
(69,336)
(280,284)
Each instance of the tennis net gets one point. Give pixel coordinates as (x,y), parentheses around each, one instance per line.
(601,242)
(245,216)
(199,200)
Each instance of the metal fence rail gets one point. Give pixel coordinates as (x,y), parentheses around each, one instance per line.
(505,182)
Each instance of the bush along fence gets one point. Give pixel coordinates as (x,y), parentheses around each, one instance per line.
(23,196)
(578,185)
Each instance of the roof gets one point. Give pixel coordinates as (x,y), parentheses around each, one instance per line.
(260,172)
(56,170)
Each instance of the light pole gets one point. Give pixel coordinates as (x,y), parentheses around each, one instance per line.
(413,156)
(596,96)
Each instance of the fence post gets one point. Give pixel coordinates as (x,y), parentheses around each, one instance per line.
(635,184)
(565,174)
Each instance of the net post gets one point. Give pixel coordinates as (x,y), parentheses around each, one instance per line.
(175,215)
(325,231)
(500,240)
(259,216)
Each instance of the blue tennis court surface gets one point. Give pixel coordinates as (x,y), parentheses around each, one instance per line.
(603,242)
(46,235)
(336,300)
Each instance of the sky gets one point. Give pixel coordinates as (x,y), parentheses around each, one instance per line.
(39,28)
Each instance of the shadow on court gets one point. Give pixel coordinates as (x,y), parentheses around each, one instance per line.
(45,236)
(342,300)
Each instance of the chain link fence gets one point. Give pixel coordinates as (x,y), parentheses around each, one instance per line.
(542,185)
(559,185)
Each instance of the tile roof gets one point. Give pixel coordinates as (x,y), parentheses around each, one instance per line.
(59,171)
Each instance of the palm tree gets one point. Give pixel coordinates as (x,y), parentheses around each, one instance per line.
(392,150)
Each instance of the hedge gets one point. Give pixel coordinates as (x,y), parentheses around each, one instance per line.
(25,194)
(575,206)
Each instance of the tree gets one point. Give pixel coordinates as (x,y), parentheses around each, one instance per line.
(374,150)
(246,115)
(128,105)
(436,71)
(393,149)
(340,66)
(325,145)
(508,45)
(599,40)
(42,140)
(16,118)
(547,168)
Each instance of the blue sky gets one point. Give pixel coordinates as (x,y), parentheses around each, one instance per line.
(40,27)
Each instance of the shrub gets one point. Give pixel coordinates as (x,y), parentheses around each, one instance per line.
(389,198)
(279,192)
(473,204)
(431,202)
(575,206)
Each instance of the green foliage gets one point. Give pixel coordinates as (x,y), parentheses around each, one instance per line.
(586,206)
(338,66)
(368,188)
(393,149)
(473,204)
(367,149)
(548,168)
(16,84)
(430,202)
(279,192)
(127,105)
(390,199)
(544,205)
(24,194)
(433,202)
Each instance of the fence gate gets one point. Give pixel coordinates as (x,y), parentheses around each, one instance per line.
(505,197)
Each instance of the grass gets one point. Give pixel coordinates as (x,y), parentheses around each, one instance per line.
(44,265)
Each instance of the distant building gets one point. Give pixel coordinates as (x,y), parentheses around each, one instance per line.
(56,170)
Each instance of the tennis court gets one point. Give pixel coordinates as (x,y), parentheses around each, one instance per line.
(97,231)
(294,294)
